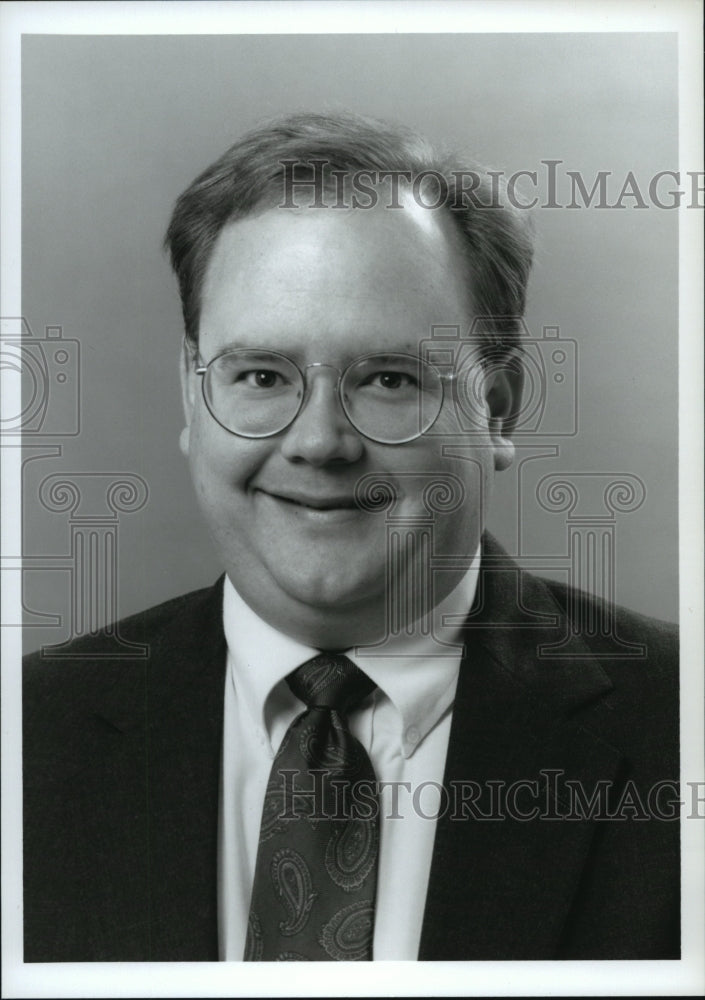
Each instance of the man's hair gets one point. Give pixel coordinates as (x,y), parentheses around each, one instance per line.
(253,174)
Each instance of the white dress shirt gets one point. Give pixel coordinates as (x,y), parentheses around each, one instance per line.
(404,727)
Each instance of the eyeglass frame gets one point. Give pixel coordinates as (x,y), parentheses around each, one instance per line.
(202,369)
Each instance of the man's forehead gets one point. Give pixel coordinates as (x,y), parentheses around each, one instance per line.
(358,241)
(316,280)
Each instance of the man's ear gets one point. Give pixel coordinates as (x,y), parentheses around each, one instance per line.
(189,388)
(503,389)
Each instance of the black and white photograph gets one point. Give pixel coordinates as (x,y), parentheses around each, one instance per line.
(352,498)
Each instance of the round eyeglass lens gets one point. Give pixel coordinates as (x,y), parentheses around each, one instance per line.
(391,398)
(253,393)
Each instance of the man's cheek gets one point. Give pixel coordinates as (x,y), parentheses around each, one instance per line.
(446,422)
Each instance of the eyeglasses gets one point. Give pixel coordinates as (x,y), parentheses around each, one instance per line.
(389,398)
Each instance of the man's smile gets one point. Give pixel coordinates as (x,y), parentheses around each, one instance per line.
(318,506)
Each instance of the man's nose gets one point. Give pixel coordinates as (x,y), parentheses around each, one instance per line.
(321,433)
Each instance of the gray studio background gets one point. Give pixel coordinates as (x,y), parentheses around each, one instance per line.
(115,127)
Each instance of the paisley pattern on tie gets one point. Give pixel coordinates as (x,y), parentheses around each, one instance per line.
(345,936)
(321,674)
(351,852)
(328,749)
(316,872)
(292,883)
(272,810)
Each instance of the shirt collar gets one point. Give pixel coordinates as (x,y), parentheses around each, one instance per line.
(417,672)
(260,657)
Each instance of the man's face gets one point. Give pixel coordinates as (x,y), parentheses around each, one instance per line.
(330,286)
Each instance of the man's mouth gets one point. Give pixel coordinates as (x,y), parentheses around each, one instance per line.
(313,501)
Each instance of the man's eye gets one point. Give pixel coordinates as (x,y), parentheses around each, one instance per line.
(261,378)
(393,380)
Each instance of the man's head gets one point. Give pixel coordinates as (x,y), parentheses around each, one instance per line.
(324,275)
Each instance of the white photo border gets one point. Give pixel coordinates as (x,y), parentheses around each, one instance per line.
(683,17)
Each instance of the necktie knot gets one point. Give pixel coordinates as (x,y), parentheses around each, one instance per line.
(330,680)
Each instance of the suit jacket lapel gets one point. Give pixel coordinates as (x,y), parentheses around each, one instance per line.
(185,712)
(501,887)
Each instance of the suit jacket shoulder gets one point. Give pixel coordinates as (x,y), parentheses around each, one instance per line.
(121,763)
(631,625)
(561,837)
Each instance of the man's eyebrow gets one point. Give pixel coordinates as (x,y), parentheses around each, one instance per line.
(261,348)
(237,345)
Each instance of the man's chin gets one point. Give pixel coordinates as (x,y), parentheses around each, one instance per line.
(330,592)
(326,612)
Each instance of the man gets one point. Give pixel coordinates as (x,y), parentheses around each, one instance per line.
(183,807)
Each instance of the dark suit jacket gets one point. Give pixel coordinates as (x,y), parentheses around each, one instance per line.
(122,766)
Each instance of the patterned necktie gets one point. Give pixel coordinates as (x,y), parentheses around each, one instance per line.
(316,873)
